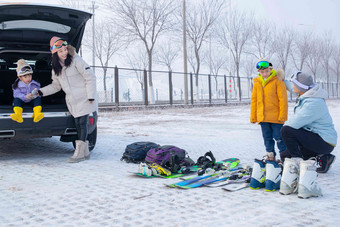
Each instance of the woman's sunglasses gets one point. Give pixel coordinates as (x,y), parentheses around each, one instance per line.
(58,44)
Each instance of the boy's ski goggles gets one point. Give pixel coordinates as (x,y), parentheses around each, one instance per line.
(58,44)
(25,69)
(262,65)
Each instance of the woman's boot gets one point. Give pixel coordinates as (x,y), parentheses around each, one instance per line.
(79,152)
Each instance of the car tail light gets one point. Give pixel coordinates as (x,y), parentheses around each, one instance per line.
(91,121)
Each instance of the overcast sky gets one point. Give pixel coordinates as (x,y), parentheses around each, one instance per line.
(318,15)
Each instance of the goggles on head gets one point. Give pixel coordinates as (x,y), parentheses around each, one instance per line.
(262,65)
(58,44)
(24,69)
(293,78)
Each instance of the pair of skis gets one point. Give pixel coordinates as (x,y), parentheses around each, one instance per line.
(221,178)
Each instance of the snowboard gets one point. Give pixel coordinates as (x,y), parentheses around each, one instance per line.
(233,162)
(193,170)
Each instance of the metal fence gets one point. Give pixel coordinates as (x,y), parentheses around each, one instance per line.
(126,87)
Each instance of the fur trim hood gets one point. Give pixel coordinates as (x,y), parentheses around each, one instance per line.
(280,74)
(71,50)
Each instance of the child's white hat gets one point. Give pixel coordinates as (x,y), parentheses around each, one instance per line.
(23,68)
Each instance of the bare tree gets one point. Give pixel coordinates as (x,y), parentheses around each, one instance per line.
(336,67)
(145,21)
(326,55)
(234,33)
(216,62)
(262,38)
(282,46)
(200,19)
(167,54)
(138,60)
(249,68)
(301,49)
(313,59)
(107,43)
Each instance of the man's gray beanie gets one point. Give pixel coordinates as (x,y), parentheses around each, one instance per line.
(303,79)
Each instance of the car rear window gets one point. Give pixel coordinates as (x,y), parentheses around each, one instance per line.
(34,25)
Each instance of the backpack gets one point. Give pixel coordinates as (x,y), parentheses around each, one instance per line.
(170,157)
(136,152)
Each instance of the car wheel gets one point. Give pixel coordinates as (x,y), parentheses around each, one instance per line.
(92,138)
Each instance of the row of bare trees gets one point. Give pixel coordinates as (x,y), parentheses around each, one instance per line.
(221,40)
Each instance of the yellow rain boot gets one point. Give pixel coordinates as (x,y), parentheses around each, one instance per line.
(37,115)
(17,116)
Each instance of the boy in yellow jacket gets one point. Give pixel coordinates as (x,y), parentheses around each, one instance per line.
(269,108)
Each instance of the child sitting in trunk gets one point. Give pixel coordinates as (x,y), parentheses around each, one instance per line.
(24,91)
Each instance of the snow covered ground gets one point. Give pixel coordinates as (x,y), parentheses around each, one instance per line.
(38,187)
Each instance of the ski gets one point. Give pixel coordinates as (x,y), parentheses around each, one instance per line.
(204,182)
(235,187)
(189,181)
(231,180)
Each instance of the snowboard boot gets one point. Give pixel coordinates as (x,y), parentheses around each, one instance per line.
(87,151)
(290,176)
(258,176)
(308,187)
(273,175)
(17,115)
(144,169)
(324,161)
(37,114)
(79,152)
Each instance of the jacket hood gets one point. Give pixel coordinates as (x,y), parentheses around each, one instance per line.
(315,92)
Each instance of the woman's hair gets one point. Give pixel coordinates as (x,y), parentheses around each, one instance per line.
(56,64)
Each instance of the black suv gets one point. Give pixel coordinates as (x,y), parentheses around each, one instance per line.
(25,32)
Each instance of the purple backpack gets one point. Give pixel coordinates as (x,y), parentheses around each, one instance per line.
(170,157)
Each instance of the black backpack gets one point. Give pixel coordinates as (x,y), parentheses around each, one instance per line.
(136,152)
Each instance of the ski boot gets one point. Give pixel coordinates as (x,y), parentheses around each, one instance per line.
(273,175)
(308,187)
(258,176)
(290,176)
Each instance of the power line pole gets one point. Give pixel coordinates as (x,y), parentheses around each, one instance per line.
(185,55)
(93,37)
